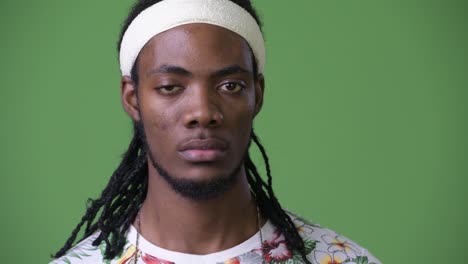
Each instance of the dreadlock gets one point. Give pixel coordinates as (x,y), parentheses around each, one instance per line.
(113,212)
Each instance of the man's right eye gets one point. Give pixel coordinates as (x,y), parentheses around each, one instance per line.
(169,89)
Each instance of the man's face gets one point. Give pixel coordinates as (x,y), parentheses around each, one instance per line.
(197,97)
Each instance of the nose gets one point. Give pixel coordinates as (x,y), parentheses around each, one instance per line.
(202,109)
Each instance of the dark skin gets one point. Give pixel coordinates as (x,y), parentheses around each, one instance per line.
(197,98)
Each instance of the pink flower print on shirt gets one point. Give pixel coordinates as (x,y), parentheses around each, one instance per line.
(148,259)
(276,249)
(232,261)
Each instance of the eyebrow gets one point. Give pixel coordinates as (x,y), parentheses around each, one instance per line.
(166,68)
(230,70)
(173,69)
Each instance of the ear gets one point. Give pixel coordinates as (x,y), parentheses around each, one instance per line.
(128,96)
(259,91)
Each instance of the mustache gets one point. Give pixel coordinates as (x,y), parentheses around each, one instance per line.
(139,138)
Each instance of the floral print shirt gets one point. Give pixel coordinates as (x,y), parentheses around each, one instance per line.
(323,246)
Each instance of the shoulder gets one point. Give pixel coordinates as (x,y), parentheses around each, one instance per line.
(83,252)
(329,246)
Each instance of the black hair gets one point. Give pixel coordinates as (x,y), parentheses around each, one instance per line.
(123,196)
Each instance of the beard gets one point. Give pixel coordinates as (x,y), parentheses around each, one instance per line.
(190,188)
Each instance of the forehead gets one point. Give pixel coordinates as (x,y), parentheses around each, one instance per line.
(200,46)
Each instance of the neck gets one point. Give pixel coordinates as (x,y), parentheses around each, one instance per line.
(181,224)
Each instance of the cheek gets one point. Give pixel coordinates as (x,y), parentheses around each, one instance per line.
(247,109)
(241,115)
(157,120)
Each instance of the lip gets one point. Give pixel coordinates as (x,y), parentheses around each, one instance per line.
(202,150)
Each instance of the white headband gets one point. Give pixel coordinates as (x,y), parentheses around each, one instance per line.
(168,14)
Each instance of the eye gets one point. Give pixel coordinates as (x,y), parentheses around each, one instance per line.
(169,89)
(231,87)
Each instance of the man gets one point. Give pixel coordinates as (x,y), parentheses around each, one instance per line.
(186,190)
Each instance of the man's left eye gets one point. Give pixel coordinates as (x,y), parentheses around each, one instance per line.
(231,87)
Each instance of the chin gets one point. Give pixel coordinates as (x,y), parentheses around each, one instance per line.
(202,173)
(201,185)
(199,182)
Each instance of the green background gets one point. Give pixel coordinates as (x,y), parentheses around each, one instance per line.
(365,120)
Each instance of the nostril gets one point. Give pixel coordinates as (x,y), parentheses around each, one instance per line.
(203,118)
(213,122)
(193,123)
